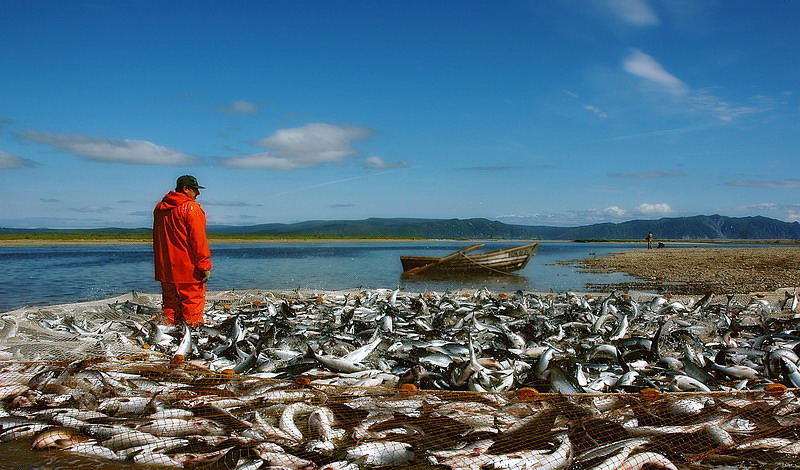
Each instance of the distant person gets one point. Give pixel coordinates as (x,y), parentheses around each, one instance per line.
(181,254)
(649,239)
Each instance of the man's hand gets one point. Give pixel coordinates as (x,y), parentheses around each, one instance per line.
(204,276)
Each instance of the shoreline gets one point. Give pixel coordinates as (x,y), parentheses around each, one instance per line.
(22,241)
(709,266)
(211,241)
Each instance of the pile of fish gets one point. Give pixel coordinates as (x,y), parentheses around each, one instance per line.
(453,380)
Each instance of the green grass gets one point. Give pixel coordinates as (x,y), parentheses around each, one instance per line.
(75,236)
(213,236)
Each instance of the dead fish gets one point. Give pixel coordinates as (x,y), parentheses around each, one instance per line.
(172,427)
(57,438)
(186,345)
(381,453)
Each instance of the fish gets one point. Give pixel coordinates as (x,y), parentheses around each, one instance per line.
(58,438)
(178,427)
(386,377)
(184,349)
(789,303)
(381,453)
(10,327)
(334,363)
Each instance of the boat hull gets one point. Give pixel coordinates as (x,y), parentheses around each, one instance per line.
(504,261)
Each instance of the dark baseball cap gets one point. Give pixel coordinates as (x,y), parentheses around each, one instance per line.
(188,180)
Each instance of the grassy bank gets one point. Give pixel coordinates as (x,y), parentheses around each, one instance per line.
(87,238)
(141,238)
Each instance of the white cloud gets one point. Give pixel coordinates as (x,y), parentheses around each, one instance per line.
(635,12)
(262,161)
(613,214)
(239,107)
(9,161)
(569,218)
(642,65)
(376,162)
(615,211)
(111,150)
(303,147)
(654,209)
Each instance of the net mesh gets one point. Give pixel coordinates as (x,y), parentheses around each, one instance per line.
(379,378)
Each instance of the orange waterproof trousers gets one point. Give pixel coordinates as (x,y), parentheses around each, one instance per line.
(183,303)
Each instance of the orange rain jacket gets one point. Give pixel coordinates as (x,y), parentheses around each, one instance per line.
(180,246)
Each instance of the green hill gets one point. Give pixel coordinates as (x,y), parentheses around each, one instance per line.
(699,227)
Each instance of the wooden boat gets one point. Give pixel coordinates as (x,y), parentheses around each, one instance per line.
(500,261)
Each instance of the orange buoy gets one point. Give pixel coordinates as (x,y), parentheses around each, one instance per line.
(177,359)
(775,389)
(408,390)
(527,393)
(650,394)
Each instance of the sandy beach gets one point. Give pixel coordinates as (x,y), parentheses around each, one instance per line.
(698,270)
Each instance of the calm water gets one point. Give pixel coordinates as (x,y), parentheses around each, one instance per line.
(42,275)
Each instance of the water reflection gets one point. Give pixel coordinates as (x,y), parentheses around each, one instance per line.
(40,275)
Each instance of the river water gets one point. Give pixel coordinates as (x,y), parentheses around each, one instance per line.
(46,275)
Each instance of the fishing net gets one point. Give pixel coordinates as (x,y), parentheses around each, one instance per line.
(368,379)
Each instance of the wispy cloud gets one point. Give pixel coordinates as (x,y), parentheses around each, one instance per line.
(647,174)
(664,132)
(141,213)
(238,107)
(303,147)
(785,184)
(376,162)
(486,168)
(634,12)
(9,161)
(704,100)
(227,203)
(112,150)
(787,212)
(328,183)
(589,107)
(91,209)
(642,65)
(597,111)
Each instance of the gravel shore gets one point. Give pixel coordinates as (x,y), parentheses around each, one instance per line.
(693,270)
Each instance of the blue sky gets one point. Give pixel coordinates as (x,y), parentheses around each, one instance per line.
(531,112)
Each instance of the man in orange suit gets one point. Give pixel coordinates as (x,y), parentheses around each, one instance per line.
(181,254)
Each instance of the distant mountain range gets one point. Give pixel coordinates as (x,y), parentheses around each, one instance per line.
(701,227)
